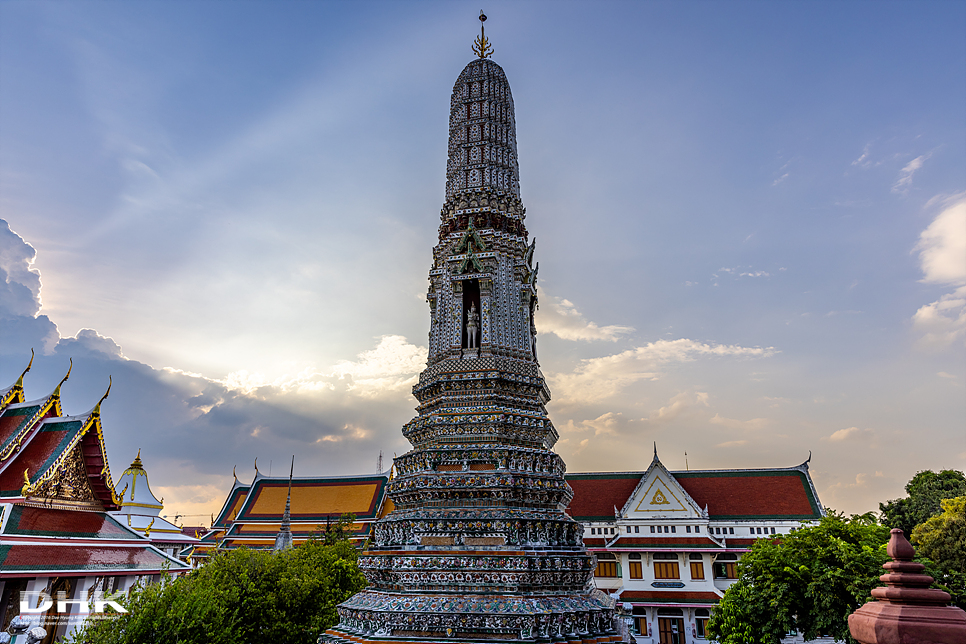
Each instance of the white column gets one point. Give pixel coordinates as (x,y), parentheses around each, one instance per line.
(77,615)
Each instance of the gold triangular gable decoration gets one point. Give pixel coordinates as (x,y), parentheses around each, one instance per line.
(659,499)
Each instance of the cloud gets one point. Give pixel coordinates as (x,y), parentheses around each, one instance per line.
(614,425)
(863,160)
(731,423)
(904,182)
(732,444)
(20,294)
(596,379)
(942,257)
(942,322)
(88,341)
(561,317)
(850,433)
(392,366)
(20,300)
(604,424)
(780,179)
(677,405)
(942,246)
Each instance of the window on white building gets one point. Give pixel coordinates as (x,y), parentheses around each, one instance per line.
(701,616)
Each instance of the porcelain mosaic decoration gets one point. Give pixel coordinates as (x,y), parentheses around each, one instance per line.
(478,547)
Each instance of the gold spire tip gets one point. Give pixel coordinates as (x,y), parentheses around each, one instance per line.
(481,46)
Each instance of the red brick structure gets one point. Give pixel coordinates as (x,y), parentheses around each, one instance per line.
(907,610)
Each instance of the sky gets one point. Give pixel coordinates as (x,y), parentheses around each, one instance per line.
(750,216)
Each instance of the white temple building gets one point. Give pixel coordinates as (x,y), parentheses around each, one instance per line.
(141,510)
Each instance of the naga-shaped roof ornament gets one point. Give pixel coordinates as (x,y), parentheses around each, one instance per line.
(30,364)
(69,369)
(481,46)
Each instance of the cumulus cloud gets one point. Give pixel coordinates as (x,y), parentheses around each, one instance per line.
(596,379)
(20,301)
(562,318)
(732,444)
(904,182)
(88,341)
(942,257)
(21,282)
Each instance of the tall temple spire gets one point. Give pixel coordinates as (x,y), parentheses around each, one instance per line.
(284,539)
(478,547)
(481,46)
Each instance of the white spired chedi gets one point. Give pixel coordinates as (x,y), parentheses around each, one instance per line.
(141,511)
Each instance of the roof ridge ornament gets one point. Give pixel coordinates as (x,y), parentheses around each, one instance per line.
(30,364)
(97,407)
(69,369)
(481,46)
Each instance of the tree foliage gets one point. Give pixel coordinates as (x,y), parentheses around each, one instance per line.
(926,491)
(241,596)
(942,539)
(809,580)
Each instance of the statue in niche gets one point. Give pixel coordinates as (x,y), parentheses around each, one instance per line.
(472,323)
(533,332)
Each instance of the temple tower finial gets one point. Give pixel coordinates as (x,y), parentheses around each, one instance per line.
(284,539)
(481,46)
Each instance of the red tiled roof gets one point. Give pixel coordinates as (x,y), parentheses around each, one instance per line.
(750,494)
(12,419)
(596,495)
(37,455)
(728,494)
(18,559)
(44,522)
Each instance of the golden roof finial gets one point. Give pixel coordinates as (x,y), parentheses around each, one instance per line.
(30,364)
(69,369)
(481,46)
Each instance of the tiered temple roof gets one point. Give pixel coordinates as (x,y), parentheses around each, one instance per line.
(56,493)
(252,513)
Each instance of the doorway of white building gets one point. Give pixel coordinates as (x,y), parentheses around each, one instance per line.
(671,630)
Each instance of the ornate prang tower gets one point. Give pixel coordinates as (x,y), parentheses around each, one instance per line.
(478,547)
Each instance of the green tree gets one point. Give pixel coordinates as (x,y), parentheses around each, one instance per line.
(942,539)
(809,580)
(926,491)
(241,596)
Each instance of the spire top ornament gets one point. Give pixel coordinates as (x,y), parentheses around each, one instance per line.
(481,46)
